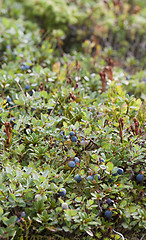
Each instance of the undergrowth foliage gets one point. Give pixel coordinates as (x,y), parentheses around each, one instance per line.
(72,142)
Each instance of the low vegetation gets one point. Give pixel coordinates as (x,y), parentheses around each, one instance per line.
(72,122)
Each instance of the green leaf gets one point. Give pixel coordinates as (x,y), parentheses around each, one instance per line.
(123,203)
(109,166)
(89,232)
(1,211)
(71,212)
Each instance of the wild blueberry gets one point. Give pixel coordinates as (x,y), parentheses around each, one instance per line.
(27,67)
(49,110)
(72,164)
(62,192)
(120,171)
(27,87)
(109,201)
(115,174)
(71,133)
(62,133)
(22,67)
(9,99)
(78,178)
(13,120)
(108,214)
(74,139)
(140,177)
(32,92)
(77,160)
(89,178)
(101,160)
(110,180)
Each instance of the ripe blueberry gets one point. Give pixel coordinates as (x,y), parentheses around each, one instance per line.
(72,164)
(62,192)
(77,160)
(78,178)
(22,67)
(101,160)
(108,214)
(71,133)
(110,180)
(62,133)
(49,111)
(27,67)
(74,139)
(115,174)
(109,201)
(13,120)
(120,171)
(89,178)
(27,86)
(9,99)
(140,177)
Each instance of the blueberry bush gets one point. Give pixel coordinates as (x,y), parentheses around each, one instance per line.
(72,120)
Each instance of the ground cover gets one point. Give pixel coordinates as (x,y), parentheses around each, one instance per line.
(72,120)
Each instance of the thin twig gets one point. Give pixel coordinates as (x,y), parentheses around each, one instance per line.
(21,88)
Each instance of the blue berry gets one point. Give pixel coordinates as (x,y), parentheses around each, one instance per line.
(22,67)
(140,177)
(109,201)
(49,110)
(78,178)
(27,67)
(74,139)
(120,171)
(32,92)
(89,178)
(115,174)
(110,180)
(62,192)
(77,160)
(71,133)
(108,214)
(27,86)
(13,120)
(101,160)
(9,99)
(72,164)
(62,133)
